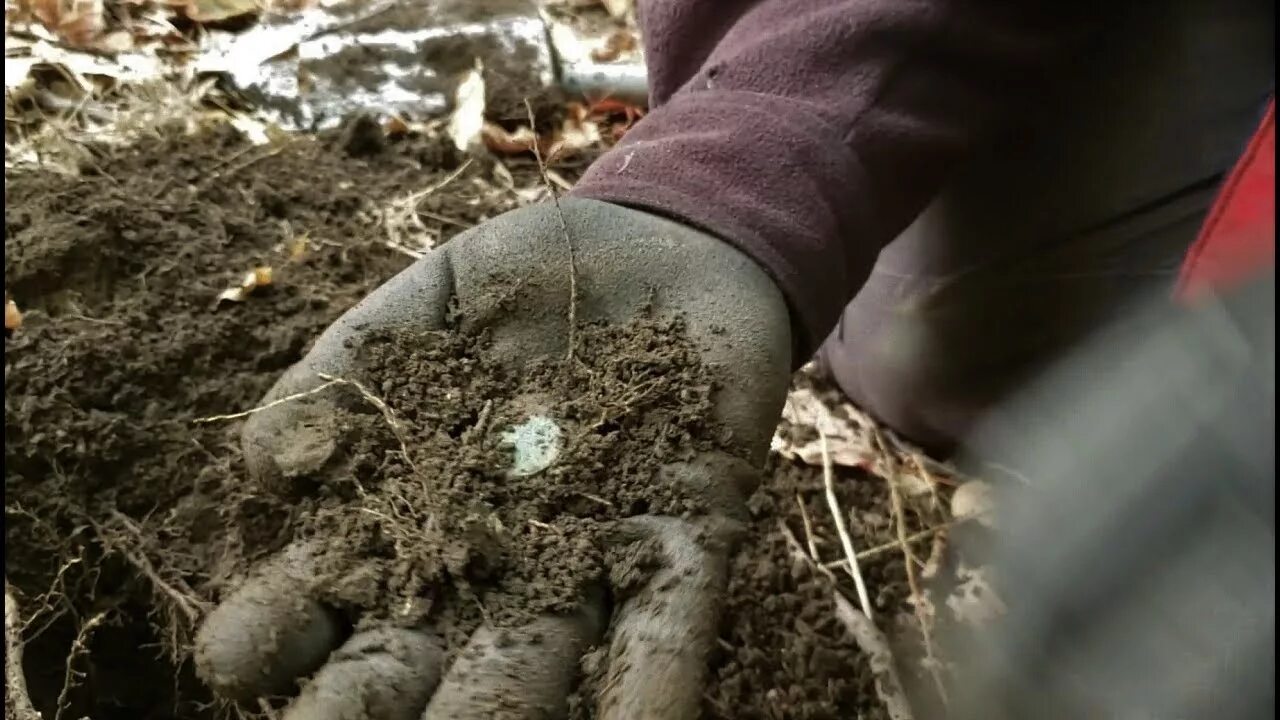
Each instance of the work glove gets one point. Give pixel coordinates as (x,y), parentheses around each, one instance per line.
(271,634)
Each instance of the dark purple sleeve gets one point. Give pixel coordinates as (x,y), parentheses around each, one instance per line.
(809,133)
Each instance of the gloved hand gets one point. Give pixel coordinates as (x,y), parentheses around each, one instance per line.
(626,260)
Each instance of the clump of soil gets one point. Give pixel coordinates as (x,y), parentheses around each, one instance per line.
(125,520)
(432,511)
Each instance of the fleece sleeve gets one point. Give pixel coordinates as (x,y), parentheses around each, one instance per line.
(810,133)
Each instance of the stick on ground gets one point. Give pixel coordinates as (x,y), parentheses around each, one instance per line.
(869,639)
(17,703)
(876,647)
(828,479)
(268,406)
(919,601)
(568,242)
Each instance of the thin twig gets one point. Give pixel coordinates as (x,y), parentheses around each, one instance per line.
(808,529)
(396,428)
(191,605)
(929,480)
(828,479)
(596,499)
(568,242)
(403,213)
(874,645)
(268,406)
(78,648)
(870,641)
(17,700)
(216,174)
(42,602)
(918,600)
(896,543)
(419,196)
(799,551)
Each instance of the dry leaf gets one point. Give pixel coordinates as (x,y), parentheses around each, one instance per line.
(975,499)
(500,141)
(47,12)
(615,46)
(395,126)
(254,279)
(577,133)
(617,8)
(849,443)
(208,11)
(297,249)
(78,22)
(12,315)
(115,42)
(466,124)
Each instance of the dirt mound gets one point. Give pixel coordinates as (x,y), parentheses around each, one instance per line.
(125,519)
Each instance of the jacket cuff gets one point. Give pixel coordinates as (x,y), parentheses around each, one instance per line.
(764,173)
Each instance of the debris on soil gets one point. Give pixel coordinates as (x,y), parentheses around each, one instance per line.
(113,498)
(17,702)
(126,520)
(258,277)
(12,315)
(784,650)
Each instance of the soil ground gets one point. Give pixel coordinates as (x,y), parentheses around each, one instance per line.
(125,520)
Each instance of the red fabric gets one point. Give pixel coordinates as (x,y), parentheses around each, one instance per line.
(1238,240)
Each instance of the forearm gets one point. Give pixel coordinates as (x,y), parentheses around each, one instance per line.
(810,134)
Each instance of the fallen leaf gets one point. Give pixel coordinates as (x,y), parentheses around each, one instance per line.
(78,22)
(617,8)
(498,139)
(253,129)
(615,46)
(208,11)
(395,126)
(466,124)
(12,315)
(579,131)
(46,11)
(849,442)
(975,499)
(254,279)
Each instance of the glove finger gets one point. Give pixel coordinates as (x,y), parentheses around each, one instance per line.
(268,633)
(287,442)
(519,673)
(386,673)
(669,597)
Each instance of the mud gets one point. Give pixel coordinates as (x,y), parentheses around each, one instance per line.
(119,506)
